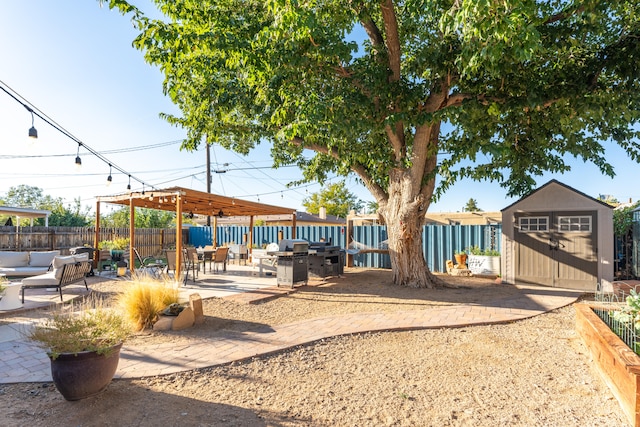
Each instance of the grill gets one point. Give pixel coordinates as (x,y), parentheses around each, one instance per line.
(293,262)
(325,259)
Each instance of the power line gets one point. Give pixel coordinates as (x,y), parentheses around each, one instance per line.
(35,111)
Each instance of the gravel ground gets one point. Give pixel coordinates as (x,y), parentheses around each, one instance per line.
(534,372)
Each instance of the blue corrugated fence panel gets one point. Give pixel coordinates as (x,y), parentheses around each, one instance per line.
(440,242)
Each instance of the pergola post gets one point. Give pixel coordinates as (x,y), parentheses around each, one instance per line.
(293,226)
(250,242)
(96,239)
(215,232)
(178,235)
(132,235)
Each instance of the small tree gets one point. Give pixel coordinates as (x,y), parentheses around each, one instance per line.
(336,198)
(472,206)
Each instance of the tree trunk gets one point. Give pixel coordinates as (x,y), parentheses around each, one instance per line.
(404,216)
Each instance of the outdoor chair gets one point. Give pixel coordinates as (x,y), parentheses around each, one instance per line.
(207,255)
(149,264)
(220,257)
(191,262)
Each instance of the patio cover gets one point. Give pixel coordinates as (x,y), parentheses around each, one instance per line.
(26,213)
(184,200)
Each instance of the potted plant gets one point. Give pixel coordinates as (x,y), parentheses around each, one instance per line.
(461,259)
(83,344)
(484,262)
(115,247)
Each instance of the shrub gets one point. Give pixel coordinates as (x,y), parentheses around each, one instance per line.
(475,250)
(145,299)
(87,326)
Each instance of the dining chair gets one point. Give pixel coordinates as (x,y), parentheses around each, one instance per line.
(220,257)
(192,262)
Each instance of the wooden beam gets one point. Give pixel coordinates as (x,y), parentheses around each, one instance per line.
(178,236)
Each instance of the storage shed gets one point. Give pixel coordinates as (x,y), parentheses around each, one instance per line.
(558,236)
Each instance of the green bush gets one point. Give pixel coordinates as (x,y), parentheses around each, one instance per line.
(475,250)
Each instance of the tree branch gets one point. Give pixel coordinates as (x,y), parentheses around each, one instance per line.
(377,191)
(393,38)
(564,15)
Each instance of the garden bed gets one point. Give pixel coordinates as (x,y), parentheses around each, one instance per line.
(618,365)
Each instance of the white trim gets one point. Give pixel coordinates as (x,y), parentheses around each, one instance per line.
(533,224)
(575,224)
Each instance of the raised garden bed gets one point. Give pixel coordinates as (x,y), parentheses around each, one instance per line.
(618,365)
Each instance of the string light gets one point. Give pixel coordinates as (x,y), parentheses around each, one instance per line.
(129,184)
(109,179)
(33,133)
(78,159)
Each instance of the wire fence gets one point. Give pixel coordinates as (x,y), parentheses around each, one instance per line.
(613,309)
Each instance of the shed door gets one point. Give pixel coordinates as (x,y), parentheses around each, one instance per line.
(557,249)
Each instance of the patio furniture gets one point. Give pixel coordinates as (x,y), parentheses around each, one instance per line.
(206,254)
(220,257)
(149,264)
(239,252)
(192,262)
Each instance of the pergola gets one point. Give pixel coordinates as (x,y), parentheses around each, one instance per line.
(184,200)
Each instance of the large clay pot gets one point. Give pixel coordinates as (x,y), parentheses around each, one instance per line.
(82,375)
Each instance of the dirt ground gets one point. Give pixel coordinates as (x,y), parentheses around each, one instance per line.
(534,372)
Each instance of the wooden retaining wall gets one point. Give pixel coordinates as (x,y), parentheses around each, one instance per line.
(618,365)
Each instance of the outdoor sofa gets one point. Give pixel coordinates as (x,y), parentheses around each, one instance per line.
(23,264)
(65,270)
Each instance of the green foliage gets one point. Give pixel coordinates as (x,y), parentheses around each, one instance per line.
(525,83)
(472,206)
(144,218)
(89,326)
(336,198)
(475,250)
(623,220)
(119,243)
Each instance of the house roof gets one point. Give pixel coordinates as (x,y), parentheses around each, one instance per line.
(555,181)
(196,202)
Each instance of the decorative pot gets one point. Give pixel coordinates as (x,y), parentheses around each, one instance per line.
(116,254)
(82,375)
(461,260)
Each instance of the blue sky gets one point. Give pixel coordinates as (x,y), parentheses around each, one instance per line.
(74,62)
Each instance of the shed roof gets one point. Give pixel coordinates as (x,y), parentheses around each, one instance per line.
(555,181)
(196,202)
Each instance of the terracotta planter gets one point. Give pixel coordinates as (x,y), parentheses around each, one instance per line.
(82,375)
(461,260)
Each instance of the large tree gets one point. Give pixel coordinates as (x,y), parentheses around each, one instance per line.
(507,89)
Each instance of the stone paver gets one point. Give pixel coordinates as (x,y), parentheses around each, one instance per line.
(25,362)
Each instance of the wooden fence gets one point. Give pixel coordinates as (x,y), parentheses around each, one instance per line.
(148,241)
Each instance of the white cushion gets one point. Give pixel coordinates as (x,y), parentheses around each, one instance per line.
(14,259)
(47,279)
(42,259)
(82,257)
(59,261)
